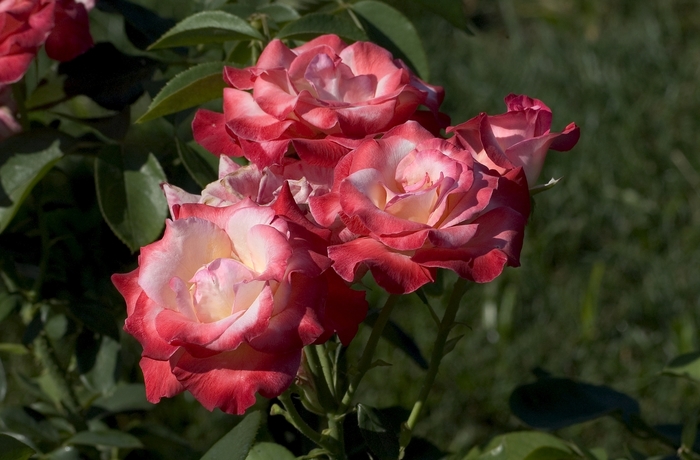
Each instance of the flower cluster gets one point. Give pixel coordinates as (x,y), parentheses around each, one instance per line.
(25,25)
(347,174)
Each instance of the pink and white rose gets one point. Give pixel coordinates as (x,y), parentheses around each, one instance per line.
(225,301)
(261,185)
(518,138)
(321,98)
(412,203)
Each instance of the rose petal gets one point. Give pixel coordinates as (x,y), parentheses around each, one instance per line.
(160,381)
(393,271)
(187,245)
(230,380)
(209,130)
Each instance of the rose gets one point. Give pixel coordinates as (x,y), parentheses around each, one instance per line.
(26,24)
(321,97)
(518,138)
(261,185)
(70,36)
(412,203)
(225,301)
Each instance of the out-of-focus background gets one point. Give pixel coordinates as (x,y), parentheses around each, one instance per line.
(608,291)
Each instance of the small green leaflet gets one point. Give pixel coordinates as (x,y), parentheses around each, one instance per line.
(207,27)
(315,24)
(194,86)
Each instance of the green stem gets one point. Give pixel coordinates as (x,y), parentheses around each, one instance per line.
(321,380)
(293,417)
(334,446)
(335,431)
(326,367)
(368,353)
(446,324)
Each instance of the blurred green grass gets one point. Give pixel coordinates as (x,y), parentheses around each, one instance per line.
(608,289)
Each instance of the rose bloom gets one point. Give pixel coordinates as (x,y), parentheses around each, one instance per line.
(26,24)
(321,97)
(70,36)
(413,203)
(261,185)
(225,301)
(518,138)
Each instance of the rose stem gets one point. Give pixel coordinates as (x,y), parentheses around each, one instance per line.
(321,380)
(322,353)
(446,324)
(368,353)
(292,416)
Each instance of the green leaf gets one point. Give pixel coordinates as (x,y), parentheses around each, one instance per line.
(236,444)
(279,12)
(12,449)
(686,365)
(200,170)
(142,26)
(450,344)
(389,28)
(315,24)
(109,438)
(690,430)
(269,451)
(101,377)
(207,27)
(23,162)
(129,194)
(551,453)
(194,86)
(64,453)
(9,301)
(31,425)
(518,445)
(47,94)
(13,348)
(376,432)
(554,403)
(124,398)
(597,453)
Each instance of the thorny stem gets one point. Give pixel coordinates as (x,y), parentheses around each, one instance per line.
(368,353)
(446,324)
